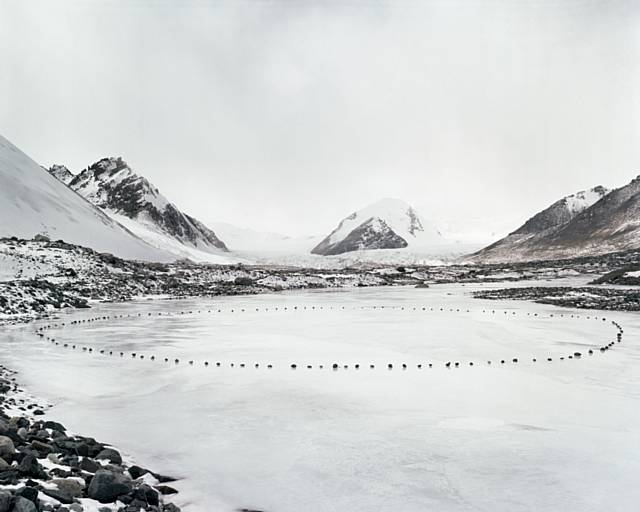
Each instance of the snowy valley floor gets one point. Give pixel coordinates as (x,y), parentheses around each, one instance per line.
(525,435)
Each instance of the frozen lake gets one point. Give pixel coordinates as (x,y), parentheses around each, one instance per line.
(543,436)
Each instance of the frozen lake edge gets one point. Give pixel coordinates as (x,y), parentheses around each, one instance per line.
(363,389)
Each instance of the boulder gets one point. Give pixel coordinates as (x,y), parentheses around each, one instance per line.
(9,476)
(137,471)
(106,486)
(7,448)
(70,486)
(30,493)
(62,496)
(5,501)
(42,448)
(18,421)
(23,505)
(52,457)
(146,494)
(111,455)
(163,479)
(29,466)
(165,489)
(89,465)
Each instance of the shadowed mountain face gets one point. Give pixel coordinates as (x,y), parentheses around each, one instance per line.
(571,228)
(561,211)
(387,224)
(611,224)
(111,185)
(373,233)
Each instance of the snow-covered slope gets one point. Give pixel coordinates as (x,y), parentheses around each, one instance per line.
(386,224)
(133,201)
(34,202)
(551,233)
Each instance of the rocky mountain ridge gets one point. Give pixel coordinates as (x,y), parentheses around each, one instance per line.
(111,185)
(593,222)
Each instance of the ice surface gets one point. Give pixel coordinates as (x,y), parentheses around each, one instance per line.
(527,436)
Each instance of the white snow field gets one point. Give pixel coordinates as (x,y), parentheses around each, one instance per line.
(543,436)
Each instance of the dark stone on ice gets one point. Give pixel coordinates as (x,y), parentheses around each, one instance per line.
(40,447)
(23,505)
(106,486)
(163,479)
(29,466)
(54,425)
(137,472)
(166,490)
(89,465)
(146,494)
(111,455)
(22,422)
(70,447)
(30,493)
(61,496)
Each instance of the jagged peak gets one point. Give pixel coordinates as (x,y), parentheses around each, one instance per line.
(110,172)
(61,172)
(112,185)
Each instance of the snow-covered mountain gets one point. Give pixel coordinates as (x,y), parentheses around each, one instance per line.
(34,202)
(386,224)
(567,228)
(133,201)
(61,173)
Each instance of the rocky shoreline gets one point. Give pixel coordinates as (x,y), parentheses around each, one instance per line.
(45,468)
(40,276)
(609,299)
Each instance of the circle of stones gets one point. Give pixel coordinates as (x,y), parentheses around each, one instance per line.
(42,333)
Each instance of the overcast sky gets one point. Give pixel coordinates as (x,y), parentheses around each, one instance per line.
(288,115)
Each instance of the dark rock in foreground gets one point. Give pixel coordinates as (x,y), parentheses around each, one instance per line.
(106,486)
(81,467)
